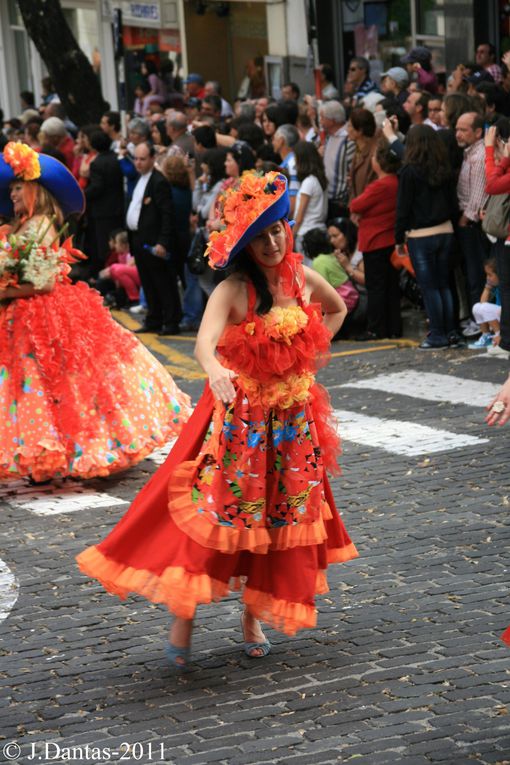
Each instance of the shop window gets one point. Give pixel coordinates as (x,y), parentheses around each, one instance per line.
(380,30)
(430,18)
(21,47)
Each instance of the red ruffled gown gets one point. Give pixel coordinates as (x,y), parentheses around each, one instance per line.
(243,500)
(506,636)
(79,395)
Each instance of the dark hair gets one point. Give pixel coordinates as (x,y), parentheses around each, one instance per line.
(99,140)
(245,265)
(267,154)
(362,62)
(426,151)
(393,109)
(388,161)
(423,101)
(503,128)
(150,147)
(160,125)
(290,109)
(309,162)
(364,121)
(294,87)
(89,130)
(491,47)
(113,119)
(28,97)
(215,161)
(327,71)
(205,135)
(317,242)
(251,134)
(348,229)
(150,66)
(214,101)
(143,85)
(456,104)
(243,155)
(491,263)
(494,96)
(275,115)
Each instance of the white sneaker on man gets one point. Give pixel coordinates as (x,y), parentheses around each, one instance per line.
(500,353)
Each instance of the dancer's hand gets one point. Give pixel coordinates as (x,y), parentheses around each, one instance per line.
(499,407)
(220,380)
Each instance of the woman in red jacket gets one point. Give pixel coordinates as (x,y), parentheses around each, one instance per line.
(375,212)
(498,182)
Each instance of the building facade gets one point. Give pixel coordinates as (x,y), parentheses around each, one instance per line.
(237,41)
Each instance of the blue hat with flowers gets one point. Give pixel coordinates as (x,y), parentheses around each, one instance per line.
(20,162)
(254,203)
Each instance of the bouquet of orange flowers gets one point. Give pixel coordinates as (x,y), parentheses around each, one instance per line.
(24,259)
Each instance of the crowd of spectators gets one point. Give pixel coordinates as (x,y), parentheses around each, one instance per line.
(387,175)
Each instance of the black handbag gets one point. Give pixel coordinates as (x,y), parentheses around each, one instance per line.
(195,259)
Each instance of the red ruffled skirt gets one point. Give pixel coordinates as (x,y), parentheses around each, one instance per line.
(505,637)
(79,395)
(230,511)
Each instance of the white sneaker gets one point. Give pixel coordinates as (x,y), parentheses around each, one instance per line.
(136,309)
(496,350)
(471,329)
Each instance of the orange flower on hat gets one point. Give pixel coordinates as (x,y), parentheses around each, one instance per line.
(242,205)
(23,160)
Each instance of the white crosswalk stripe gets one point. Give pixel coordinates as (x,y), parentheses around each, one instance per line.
(398,436)
(429,386)
(9,590)
(54,500)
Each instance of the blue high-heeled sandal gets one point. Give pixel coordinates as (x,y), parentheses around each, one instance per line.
(174,652)
(265,647)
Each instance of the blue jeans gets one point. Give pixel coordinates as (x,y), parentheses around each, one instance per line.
(193,301)
(430,256)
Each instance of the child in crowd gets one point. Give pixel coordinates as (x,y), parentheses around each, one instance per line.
(317,246)
(123,273)
(487,313)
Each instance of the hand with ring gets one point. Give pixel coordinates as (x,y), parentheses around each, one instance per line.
(499,408)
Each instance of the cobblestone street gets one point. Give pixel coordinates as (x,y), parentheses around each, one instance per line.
(405,666)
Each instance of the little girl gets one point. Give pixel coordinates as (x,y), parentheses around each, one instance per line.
(487,313)
(124,273)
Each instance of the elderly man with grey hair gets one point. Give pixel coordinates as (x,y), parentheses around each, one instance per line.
(338,155)
(177,131)
(284,141)
(54,135)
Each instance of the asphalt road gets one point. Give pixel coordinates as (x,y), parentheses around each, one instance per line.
(405,666)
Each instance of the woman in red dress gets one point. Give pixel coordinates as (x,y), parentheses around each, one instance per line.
(243,501)
(79,395)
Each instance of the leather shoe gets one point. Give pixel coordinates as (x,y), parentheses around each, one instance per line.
(169,329)
(144,328)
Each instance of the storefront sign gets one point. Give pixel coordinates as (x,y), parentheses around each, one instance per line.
(141,12)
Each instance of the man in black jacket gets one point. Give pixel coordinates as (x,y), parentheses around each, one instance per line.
(105,201)
(151,225)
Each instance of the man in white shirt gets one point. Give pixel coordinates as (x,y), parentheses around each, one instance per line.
(151,225)
(284,140)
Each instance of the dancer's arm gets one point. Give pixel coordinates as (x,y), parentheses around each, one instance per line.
(333,307)
(222,307)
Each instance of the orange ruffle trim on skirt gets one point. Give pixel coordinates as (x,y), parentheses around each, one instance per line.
(169,559)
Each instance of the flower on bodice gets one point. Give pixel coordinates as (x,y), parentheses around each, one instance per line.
(282,324)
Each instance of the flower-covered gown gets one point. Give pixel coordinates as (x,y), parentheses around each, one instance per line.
(243,499)
(79,395)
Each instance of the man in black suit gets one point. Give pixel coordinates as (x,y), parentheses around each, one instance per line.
(105,201)
(151,226)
